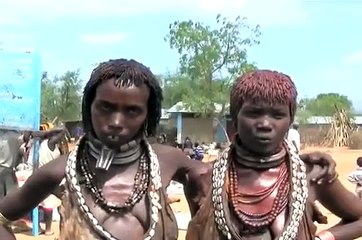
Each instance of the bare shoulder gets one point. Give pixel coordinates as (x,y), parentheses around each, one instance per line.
(168,153)
(178,164)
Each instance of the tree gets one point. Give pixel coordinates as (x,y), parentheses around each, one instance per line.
(324,104)
(175,86)
(61,97)
(69,106)
(302,115)
(211,58)
(49,98)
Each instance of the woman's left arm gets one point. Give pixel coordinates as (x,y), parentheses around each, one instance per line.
(344,204)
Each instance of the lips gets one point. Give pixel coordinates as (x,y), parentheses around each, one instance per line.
(264,139)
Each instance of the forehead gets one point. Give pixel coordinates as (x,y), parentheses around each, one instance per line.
(107,91)
(265,105)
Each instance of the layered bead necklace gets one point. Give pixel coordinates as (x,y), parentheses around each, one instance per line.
(141,182)
(240,199)
(148,178)
(296,201)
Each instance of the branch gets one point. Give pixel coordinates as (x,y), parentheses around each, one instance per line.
(226,56)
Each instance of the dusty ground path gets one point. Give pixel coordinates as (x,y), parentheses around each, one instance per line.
(345,164)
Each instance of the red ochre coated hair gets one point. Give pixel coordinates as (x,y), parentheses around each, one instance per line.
(265,86)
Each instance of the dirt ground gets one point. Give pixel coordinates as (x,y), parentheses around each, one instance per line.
(345,164)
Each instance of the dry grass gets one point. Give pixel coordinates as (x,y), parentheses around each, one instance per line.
(355,141)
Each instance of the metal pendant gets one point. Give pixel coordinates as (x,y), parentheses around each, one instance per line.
(105,158)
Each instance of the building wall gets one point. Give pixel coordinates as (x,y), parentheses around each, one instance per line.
(197,129)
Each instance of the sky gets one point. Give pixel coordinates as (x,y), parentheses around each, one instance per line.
(318,43)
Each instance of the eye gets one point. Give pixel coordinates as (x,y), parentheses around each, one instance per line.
(133,111)
(253,113)
(105,107)
(279,115)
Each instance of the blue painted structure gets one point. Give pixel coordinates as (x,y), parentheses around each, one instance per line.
(20,90)
(179,127)
(20,98)
(220,134)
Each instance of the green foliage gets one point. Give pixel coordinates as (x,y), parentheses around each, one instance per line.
(179,87)
(175,87)
(324,104)
(70,97)
(209,60)
(302,115)
(49,99)
(61,97)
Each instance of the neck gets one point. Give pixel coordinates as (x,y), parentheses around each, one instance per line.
(253,160)
(126,153)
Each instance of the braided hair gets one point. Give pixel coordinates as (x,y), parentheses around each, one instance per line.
(126,73)
(263,86)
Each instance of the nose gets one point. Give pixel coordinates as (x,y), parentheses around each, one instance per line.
(264,124)
(116,121)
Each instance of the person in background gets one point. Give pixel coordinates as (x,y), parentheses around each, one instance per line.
(356,177)
(48,151)
(78,132)
(188,147)
(14,148)
(198,152)
(10,157)
(24,150)
(293,136)
(164,138)
(161,139)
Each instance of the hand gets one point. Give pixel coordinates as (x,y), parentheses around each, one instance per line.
(328,172)
(53,133)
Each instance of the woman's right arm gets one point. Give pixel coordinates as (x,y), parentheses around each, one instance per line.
(38,186)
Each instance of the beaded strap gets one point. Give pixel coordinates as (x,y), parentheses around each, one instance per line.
(155,186)
(297,201)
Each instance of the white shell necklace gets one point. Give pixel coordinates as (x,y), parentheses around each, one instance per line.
(155,186)
(297,201)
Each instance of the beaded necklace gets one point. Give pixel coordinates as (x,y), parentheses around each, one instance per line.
(140,186)
(297,200)
(155,186)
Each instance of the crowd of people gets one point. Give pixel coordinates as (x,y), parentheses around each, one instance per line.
(17,164)
(259,187)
